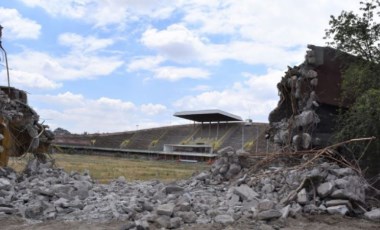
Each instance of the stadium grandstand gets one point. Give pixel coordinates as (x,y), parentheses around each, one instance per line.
(211,131)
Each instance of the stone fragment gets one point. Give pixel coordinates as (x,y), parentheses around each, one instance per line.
(224,219)
(5,184)
(267,188)
(165,209)
(175,222)
(302,197)
(311,74)
(314,82)
(269,214)
(245,192)
(310,208)
(373,215)
(8,210)
(340,183)
(223,169)
(213,213)
(188,217)
(340,209)
(295,209)
(265,205)
(147,206)
(306,118)
(129,225)
(173,189)
(203,220)
(142,225)
(325,189)
(34,210)
(338,202)
(163,221)
(202,176)
(343,172)
(234,200)
(285,211)
(306,140)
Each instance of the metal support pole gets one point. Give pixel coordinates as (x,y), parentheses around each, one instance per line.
(242,138)
(257,138)
(6,58)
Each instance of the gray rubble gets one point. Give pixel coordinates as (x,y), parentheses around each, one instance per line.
(214,196)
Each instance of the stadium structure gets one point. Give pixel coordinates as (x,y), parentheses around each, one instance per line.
(210,131)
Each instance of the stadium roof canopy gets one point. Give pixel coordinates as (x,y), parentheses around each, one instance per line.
(212,115)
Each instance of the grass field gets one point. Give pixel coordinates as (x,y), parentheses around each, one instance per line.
(104,168)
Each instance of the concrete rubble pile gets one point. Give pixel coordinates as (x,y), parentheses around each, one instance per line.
(309,100)
(223,194)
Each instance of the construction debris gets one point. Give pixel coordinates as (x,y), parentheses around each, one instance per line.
(221,195)
(309,100)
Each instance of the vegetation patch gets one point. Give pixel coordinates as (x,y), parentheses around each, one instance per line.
(104,169)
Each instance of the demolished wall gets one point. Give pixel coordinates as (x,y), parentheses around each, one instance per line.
(309,99)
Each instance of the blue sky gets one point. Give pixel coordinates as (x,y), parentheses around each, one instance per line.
(110,65)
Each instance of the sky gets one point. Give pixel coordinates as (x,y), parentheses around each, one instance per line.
(120,65)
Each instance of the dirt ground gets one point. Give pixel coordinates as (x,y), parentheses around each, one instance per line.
(310,222)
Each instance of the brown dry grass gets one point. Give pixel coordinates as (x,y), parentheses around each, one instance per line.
(104,168)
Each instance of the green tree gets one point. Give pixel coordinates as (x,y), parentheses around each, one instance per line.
(359,34)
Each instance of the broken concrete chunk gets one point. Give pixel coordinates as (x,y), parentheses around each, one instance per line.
(173,189)
(340,209)
(233,170)
(165,209)
(343,172)
(5,184)
(267,188)
(341,183)
(330,203)
(269,214)
(175,222)
(224,219)
(306,140)
(373,215)
(302,197)
(265,205)
(314,82)
(311,74)
(188,217)
(325,189)
(285,211)
(306,118)
(163,221)
(245,192)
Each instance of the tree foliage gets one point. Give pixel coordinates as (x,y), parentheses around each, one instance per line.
(359,34)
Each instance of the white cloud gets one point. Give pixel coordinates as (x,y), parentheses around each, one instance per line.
(66,99)
(103,13)
(81,44)
(201,88)
(23,79)
(145,63)
(77,113)
(274,21)
(152,109)
(175,42)
(173,73)
(16,26)
(179,44)
(70,67)
(68,8)
(82,61)
(254,97)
